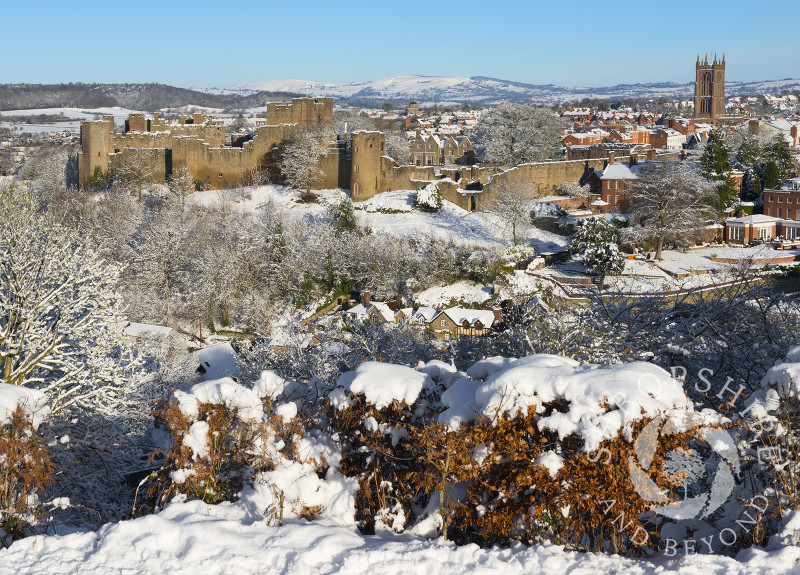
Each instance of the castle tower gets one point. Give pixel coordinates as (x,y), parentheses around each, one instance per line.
(365,173)
(709,89)
(97,141)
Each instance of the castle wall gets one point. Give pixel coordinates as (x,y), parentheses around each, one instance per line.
(540,177)
(96,143)
(151,162)
(366,175)
(335,168)
(303,111)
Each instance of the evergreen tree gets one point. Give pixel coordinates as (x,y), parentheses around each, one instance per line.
(771,175)
(604,259)
(715,164)
(777,152)
(343,216)
(592,231)
(748,156)
(596,239)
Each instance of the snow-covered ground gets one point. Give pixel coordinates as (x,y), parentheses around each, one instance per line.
(466,292)
(196,538)
(388,213)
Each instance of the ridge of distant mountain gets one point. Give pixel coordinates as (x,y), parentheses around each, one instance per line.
(487,90)
(426,90)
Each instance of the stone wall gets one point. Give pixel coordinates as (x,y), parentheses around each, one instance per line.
(305,112)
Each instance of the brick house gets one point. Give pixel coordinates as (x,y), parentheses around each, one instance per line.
(374,311)
(455,322)
(615,181)
(784,201)
(748,229)
(667,139)
(431,150)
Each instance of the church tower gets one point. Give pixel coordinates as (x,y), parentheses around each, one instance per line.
(709,89)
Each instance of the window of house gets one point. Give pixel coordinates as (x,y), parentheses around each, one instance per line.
(779,212)
(789,233)
(447,336)
(780,199)
(443,323)
(788,213)
(788,200)
(770,198)
(763,233)
(734,233)
(770,212)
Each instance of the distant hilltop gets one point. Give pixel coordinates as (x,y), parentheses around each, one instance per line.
(483,90)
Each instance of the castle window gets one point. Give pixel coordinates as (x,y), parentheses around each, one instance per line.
(356,169)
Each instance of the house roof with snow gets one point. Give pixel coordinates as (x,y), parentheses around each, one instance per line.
(459,315)
(755,219)
(621,171)
(374,308)
(426,313)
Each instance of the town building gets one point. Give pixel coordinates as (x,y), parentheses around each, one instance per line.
(709,89)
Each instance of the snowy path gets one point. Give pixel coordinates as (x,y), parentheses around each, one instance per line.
(203,540)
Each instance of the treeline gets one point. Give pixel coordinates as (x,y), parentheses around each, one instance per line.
(148,97)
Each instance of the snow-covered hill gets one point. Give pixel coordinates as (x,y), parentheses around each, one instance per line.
(483,90)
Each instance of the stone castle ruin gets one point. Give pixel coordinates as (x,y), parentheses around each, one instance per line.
(157,148)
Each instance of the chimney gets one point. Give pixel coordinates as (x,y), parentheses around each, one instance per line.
(633,159)
(611,157)
(366,299)
(651,155)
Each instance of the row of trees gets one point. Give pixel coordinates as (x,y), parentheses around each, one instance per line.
(765,161)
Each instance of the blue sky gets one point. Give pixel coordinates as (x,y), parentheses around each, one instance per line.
(215,44)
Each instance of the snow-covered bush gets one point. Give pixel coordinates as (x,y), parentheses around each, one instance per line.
(603,260)
(592,231)
(218,430)
(595,238)
(228,439)
(25,468)
(428,198)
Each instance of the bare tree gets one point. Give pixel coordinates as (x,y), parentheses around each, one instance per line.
(669,202)
(181,184)
(510,202)
(398,148)
(300,164)
(58,326)
(513,134)
(137,167)
(7,162)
